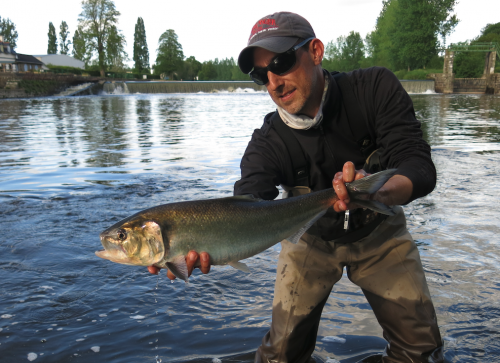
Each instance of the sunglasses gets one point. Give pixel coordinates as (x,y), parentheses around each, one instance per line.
(279,65)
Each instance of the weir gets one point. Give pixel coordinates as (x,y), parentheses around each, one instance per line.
(418,86)
(179,86)
(119,87)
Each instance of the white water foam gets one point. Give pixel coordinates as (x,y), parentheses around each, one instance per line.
(32,356)
(138,317)
(96,349)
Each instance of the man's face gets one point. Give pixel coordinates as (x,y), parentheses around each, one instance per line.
(295,91)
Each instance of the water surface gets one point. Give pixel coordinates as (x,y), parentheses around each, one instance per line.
(71,167)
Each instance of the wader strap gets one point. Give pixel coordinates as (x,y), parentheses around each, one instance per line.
(297,155)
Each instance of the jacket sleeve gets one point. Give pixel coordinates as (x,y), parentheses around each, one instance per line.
(398,131)
(261,168)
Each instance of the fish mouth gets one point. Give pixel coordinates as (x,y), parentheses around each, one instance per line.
(112,251)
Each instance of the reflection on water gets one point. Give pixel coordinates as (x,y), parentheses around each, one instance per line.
(70,167)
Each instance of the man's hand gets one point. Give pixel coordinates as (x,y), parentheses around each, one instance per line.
(192,260)
(347,175)
(396,191)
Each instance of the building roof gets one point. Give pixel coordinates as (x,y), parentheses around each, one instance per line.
(61,60)
(28,59)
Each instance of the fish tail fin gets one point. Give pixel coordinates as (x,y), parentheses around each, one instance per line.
(359,189)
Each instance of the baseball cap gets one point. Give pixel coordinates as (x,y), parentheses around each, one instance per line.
(277,33)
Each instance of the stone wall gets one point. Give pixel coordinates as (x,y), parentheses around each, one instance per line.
(493,84)
(469,85)
(488,85)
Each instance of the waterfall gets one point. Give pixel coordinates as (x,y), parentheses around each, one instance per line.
(181,87)
(418,86)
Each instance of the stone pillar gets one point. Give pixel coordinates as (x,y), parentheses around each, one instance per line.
(489,63)
(448,76)
(489,70)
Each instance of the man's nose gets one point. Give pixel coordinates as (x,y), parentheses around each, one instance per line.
(275,81)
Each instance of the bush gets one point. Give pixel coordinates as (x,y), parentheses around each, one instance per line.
(416,74)
(63,69)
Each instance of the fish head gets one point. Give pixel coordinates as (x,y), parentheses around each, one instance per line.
(137,243)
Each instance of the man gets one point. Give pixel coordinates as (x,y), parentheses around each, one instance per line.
(379,254)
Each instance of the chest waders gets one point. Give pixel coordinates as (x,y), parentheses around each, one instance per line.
(384,263)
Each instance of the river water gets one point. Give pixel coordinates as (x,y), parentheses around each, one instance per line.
(71,167)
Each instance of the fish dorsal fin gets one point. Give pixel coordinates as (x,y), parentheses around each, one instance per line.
(239,266)
(294,238)
(178,267)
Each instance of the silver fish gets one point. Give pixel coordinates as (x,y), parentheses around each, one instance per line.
(229,229)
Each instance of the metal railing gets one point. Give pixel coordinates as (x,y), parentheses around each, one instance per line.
(475,47)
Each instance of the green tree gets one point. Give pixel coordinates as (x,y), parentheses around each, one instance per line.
(8,31)
(64,36)
(208,71)
(191,69)
(169,55)
(378,43)
(82,48)
(97,20)
(416,31)
(345,54)
(52,45)
(238,75)
(115,50)
(141,52)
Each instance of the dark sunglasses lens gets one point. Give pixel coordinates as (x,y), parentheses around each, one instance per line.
(259,76)
(282,63)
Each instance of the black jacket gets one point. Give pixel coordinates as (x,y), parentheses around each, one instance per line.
(389,112)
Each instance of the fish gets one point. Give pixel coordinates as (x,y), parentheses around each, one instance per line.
(229,229)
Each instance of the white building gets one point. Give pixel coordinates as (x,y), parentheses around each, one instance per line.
(60,60)
(7,57)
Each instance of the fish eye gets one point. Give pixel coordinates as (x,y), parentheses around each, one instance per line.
(122,235)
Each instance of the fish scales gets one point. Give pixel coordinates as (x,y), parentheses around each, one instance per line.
(230,228)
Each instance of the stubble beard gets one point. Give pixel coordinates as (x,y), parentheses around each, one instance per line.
(302,99)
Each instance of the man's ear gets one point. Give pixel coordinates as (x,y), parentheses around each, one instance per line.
(317,50)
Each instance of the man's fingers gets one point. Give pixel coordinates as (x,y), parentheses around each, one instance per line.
(360,174)
(191,259)
(205,262)
(340,206)
(154,270)
(348,172)
(170,275)
(339,186)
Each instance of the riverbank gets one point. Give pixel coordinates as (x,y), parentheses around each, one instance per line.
(43,85)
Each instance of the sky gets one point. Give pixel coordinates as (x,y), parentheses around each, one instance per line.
(220,28)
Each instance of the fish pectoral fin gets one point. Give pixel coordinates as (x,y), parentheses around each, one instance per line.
(178,267)
(239,266)
(294,238)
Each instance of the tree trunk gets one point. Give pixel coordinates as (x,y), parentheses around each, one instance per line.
(100,48)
